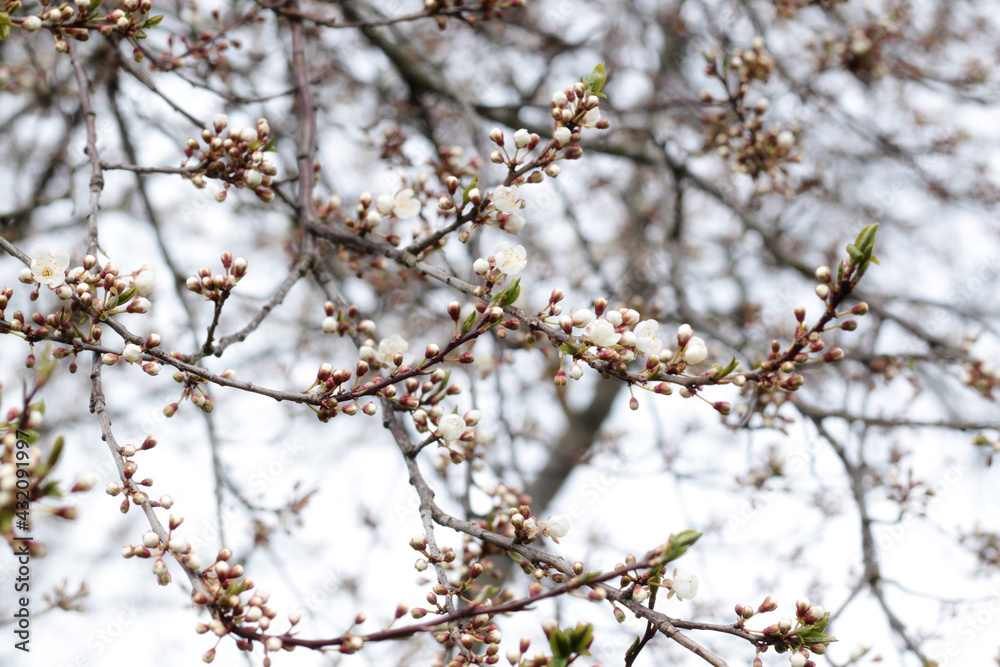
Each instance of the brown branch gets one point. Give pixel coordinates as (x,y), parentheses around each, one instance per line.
(96,175)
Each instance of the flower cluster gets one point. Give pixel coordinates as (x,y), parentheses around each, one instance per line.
(506,261)
(622,336)
(736,128)
(99,293)
(341,321)
(236,159)
(26,472)
(133,488)
(75,21)
(218,286)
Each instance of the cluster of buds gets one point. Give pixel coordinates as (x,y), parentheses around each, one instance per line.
(440,10)
(862,53)
(133,355)
(620,336)
(370,210)
(499,208)
(208,46)
(506,261)
(131,486)
(218,286)
(572,109)
(103,291)
(236,159)
(25,475)
(525,528)
(194,390)
(77,20)
(90,295)
(982,376)
(154,547)
(456,434)
(342,321)
(330,380)
(736,129)
(225,585)
(446,556)
(801,637)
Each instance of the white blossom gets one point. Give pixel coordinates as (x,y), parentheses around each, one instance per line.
(510,260)
(406,206)
(591,117)
(253,178)
(531,529)
(786,139)
(451,427)
(389,347)
(583,317)
(145,282)
(797,660)
(329,325)
(685,585)
(601,333)
(514,223)
(614,317)
(558,526)
(521,138)
(684,333)
(132,352)
(31,23)
(49,268)
(695,352)
(562,135)
(481,267)
(505,198)
(645,334)
(385,203)
(559,98)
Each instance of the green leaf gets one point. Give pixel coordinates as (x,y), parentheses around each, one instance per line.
(4,25)
(509,294)
(559,643)
(151,22)
(580,638)
(866,238)
(94,4)
(469,321)
(57,448)
(466,191)
(678,544)
(269,148)
(596,79)
(721,372)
